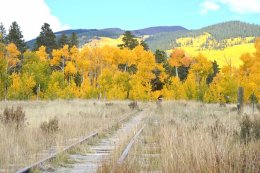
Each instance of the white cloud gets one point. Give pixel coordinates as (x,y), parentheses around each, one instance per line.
(209,6)
(30,16)
(237,6)
(243,6)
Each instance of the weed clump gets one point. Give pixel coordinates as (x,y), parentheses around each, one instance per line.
(12,116)
(250,129)
(50,126)
(133,105)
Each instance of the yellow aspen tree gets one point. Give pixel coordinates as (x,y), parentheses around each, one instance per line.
(200,68)
(70,70)
(21,87)
(60,56)
(83,62)
(250,74)
(56,58)
(127,58)
(12,54)
(56,86)
(141,81)
(121,86)
(105,82)
(42,54)
(177,59)
(3,74)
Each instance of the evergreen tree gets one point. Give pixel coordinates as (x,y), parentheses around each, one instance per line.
(216,68)
(73,40)
(2,33)
(15,36)
(63,40)
(145,45)
(128,41)
(46,38)
(160,56)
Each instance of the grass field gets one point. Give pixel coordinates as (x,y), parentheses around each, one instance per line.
(76,119)
(193,137)
(189,136)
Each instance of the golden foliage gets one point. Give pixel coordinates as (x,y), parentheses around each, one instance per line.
(12,54)
(41,53)
(112,73)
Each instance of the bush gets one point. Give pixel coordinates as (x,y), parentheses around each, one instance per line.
(50,126)
(250,129)
(11,116)
(256,128)
(133,105)
(245,128)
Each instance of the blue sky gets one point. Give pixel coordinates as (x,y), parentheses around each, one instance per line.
(125,14)
(135,14)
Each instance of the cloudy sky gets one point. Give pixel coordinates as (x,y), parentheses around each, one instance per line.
(125,14)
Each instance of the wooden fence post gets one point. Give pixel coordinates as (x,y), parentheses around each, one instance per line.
(240,100)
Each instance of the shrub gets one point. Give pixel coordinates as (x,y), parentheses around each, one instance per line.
(245,128)
(133,105)
(50,126)
(250,129)
(256,128)
(11,116)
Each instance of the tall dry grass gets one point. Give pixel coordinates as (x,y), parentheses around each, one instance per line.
(76,118)
(195,137)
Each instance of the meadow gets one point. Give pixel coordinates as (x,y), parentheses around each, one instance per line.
(179,136)
(193,137)
(76,119)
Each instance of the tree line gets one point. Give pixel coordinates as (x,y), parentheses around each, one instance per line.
(129,71)
(46,38)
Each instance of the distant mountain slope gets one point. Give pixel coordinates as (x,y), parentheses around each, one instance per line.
(158,29)
(219,31)
(85,35)
(164,37)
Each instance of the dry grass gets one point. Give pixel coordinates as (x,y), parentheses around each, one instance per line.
(76,119)
(195,137)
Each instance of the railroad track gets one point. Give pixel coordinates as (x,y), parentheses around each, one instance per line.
(143,153)
(95,149)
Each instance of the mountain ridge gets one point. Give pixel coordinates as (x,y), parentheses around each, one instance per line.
(163,37)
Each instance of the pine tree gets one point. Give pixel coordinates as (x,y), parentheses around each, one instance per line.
(2,33)
(46,38)
(128,41)
(15,36)
(160,56)
(73,40)
(63,40)
(216,68)
(145,45)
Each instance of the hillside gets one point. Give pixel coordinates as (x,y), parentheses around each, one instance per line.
(226,51)
(223,42)
(218,32)
(87,35)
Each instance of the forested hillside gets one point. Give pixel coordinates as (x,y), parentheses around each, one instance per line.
(86,35)
(219,32)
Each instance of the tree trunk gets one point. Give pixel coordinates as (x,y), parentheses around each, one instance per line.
(63,64)
(176,71)
(125,68)
(38,91)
